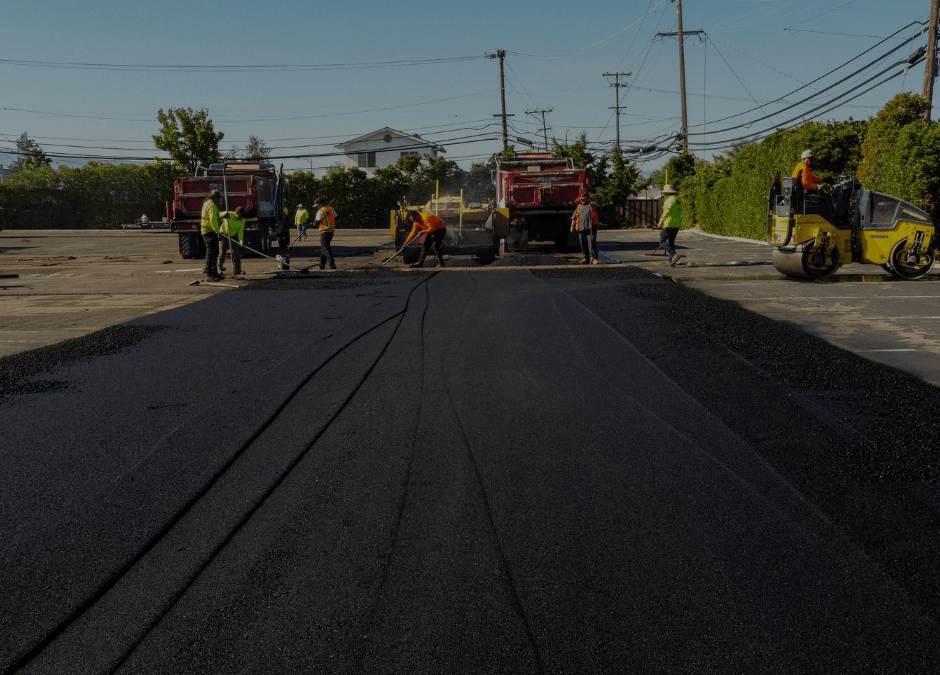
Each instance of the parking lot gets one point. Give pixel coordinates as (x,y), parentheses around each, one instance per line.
(62,284)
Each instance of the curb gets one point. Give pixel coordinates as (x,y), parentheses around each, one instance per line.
(721,236)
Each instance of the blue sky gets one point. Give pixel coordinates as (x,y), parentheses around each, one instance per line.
(557,54)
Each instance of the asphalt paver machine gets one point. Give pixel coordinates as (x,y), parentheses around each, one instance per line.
(814,233)
(474,229)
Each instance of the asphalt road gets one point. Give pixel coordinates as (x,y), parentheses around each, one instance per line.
(558,470)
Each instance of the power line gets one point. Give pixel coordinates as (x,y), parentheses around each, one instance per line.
(139,67)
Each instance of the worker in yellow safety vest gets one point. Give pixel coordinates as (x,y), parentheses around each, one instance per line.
(326,223)
(232,236)
(810,180)
(300,221)
(670,222)
(210,233)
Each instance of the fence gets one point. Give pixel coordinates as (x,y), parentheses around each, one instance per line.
(642,212)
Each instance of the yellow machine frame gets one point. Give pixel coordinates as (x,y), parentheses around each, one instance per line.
(809,246)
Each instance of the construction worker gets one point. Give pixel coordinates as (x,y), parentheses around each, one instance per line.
(434,230)
(326,223)
(670,222)
(300,221)
(582,222)
(210,233)
(232,229)
(810,181)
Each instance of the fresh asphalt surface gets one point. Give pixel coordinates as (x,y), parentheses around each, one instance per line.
(558,470)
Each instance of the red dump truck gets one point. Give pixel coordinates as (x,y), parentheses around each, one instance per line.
(540,193)
(259,188)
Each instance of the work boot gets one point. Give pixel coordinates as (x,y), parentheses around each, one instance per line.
(420,263)
(332,266)
(595,262)
(674,259)
(584,261)
(440,262)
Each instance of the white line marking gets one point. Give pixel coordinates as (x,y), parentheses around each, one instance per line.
(890,350)
(171,271)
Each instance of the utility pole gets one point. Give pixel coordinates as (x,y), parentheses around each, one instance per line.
(684,133)
(684,137)
(930,70)
(544,128)
(501,54)
(616,85)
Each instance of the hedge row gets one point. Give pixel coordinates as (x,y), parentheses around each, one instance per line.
(894,152)
(94,196)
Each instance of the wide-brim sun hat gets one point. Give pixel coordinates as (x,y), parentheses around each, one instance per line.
(807,154)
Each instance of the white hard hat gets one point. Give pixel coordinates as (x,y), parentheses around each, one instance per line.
(300,206)
(807,154)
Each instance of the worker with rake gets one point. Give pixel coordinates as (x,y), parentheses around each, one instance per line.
(210,227)
(232,236)
(433,229)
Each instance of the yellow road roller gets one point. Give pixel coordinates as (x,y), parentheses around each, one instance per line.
(814,233)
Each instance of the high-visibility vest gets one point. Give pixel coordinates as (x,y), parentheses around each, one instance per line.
(672,213)
(426,223)
(301,217)
(328,223)
(210,217)
(809,178)
(234,227)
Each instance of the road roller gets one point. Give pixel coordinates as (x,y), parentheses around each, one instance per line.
(813,234)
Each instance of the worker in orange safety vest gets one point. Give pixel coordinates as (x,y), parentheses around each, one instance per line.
(810,180)
(325,220)
(434,230)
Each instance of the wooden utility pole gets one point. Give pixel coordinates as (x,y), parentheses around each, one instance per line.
(544,128)
(616,84)
(501,54)
(684,134)
(930,70)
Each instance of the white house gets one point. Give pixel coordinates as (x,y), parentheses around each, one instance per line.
(383,148)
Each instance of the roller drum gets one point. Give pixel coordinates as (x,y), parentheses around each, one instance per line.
(789,262)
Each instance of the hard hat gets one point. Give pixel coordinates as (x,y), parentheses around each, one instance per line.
(239,211)
(300,206)
(807,154)
(215,194)
(669,190)
(318,200)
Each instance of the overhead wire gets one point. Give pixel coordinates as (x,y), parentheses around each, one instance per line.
(208,68)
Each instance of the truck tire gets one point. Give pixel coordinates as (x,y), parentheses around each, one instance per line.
(192,246)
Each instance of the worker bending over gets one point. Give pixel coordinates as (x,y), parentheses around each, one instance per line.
(326,220)
(434,230)
(670,222)
(810,181)
(232,236)
(300,221)
(210,227)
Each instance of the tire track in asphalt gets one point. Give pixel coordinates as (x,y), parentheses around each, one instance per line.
(105,588)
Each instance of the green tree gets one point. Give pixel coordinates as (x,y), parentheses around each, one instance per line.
(189,137)
(35,158)
(623,181)
(257,150)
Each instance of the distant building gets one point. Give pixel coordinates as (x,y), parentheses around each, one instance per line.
(384,148)
(5,174)
(651,192)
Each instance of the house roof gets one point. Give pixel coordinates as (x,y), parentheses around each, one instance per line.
(375,135)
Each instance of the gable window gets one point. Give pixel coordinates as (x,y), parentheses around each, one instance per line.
(367,160)
(409,152)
